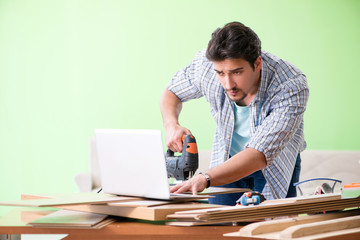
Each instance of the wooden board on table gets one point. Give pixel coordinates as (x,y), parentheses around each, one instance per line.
(305,226)
(202,195)
(126,201)
(258,212)
(72,219)
(93,195)
(29,196)
(145,209)
(70,199)
(152,213)
(141,203)
(222,190)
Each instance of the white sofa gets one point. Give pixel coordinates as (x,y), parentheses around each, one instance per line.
(342,165)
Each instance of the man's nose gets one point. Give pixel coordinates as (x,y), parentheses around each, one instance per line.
(228,82)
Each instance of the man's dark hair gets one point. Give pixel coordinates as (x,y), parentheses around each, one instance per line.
(234,40)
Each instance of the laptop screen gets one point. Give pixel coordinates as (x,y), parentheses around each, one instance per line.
(132,162)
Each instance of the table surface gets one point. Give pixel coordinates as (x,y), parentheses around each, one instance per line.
(15,223)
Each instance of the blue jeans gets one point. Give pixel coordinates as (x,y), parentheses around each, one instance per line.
(255,181)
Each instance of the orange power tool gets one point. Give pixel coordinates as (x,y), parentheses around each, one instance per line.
(184,166)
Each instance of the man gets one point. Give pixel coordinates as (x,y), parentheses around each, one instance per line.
(257,101)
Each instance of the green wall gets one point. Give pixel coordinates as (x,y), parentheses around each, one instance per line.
(67,67)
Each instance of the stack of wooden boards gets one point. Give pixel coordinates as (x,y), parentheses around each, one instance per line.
(174,213)
(90,210)
(267,209)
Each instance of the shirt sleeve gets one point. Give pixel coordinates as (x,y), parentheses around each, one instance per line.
(283,120)
(186,84)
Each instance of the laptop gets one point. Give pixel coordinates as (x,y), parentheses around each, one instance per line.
(132,163)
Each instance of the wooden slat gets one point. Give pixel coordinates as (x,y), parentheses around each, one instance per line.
(70,200)
(156,213)
(71,219)
(221,190)
(309,229)
(281,224)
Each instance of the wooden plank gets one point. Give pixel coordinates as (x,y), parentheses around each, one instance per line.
(73,199)
(309,229)
(347,234)
(141,203)
(92,195)
(222,190)
(136,202)
(351,234)
(71,219)
(139,208)
(30,196)
(156,213)
(278,225)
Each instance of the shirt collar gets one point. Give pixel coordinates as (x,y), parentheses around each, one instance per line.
(260,95)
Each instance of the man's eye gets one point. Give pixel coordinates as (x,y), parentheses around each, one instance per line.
(220,73)
(237,73)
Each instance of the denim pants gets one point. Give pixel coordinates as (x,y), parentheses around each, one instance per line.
(256,182)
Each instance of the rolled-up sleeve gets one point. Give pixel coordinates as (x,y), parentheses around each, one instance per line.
(186,83)
(283,119)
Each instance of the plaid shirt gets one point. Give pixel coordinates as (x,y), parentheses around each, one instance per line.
(276,115)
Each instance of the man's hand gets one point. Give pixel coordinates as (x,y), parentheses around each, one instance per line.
(240,165)
(171,106)
(174,134)
(195,184)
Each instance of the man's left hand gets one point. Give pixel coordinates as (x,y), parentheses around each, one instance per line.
(194,185)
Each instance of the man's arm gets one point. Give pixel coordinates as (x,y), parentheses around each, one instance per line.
(184,86)
(240,165)
(170,106)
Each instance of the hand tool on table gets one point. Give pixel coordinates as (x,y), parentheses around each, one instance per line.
(184,166)
(252,197)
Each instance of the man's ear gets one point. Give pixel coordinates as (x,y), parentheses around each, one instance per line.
(258,64)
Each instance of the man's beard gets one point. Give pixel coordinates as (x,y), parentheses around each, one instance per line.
(237,101)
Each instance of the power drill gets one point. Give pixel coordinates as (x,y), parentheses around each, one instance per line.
(184,166)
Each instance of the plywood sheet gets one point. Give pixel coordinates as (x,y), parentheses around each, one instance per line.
(71,199)
(222,190)
(152,213)
(138,208)
(71,219)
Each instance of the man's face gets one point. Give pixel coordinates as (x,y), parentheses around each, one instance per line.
(239,79)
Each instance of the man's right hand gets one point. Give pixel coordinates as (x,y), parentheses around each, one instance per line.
(171,106)
(174,136)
